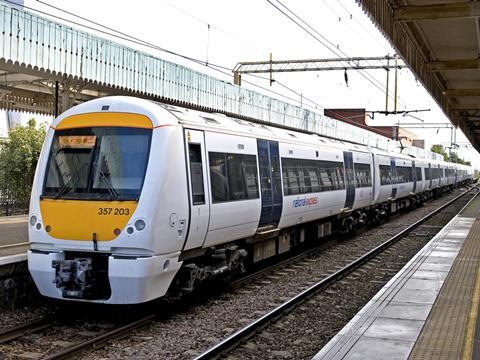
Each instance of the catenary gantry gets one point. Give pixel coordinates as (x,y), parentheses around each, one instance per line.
(440,41)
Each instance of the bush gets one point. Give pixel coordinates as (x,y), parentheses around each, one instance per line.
(18,161)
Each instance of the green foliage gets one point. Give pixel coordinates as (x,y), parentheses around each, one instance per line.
(18,161)
(457,159)
(439,150)
(454,158)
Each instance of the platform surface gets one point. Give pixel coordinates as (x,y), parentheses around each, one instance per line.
(13,239)
(429,309)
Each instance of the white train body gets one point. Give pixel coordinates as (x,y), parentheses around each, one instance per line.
(128,193)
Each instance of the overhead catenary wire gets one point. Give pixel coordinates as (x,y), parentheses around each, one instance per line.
(332,45)
(354,18)
(342,53)
(323,40)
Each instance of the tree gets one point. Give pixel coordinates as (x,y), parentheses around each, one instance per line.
(18,161)
(457,159)
(439,150)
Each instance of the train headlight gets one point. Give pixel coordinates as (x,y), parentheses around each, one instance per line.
(139,224)
(33,220)
(130,230)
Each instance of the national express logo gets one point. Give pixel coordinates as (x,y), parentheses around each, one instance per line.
(305,202)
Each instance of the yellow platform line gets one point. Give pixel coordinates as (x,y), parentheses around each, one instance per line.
(467,351)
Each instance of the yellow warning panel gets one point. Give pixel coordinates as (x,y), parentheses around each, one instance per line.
(80,219)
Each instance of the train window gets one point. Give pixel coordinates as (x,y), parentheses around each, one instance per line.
(291,176)
(233,177)
(242,177)
(196,173)
(404,174)
(427,173)
(419,173)
(311,173)
(218,177)
(309,176)
(385,175)
(97,163)
(363,175)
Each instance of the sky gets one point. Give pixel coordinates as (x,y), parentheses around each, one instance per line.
(225,32)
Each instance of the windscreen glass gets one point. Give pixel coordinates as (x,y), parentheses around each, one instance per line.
(98,163)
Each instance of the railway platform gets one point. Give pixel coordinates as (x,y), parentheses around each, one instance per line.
(430,309)
(13,239)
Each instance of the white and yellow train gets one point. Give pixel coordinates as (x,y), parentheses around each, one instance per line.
(133,199)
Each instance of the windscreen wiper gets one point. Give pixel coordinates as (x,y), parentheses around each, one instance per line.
(111,190)
(66,187)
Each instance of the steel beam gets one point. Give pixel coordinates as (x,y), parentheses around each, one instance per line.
(464,64)
(463,107)
(462,92)
(354,63)
(437,11)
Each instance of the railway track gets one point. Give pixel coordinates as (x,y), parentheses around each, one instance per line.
(47,322)
(29,327)
(246,333)
(103,339)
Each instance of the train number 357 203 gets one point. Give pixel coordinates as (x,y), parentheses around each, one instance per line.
(113,211)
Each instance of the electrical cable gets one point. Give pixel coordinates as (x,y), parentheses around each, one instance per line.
(364,74)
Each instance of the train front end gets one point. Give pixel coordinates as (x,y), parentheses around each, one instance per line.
(92,211)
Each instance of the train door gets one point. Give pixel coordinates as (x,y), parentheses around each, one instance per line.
(393,172)
(349,179)
(270,183)
(414,176)
(197,178)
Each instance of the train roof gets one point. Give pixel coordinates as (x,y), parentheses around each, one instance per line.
(163,114)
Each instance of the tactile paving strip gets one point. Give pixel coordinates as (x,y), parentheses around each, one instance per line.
(443,334)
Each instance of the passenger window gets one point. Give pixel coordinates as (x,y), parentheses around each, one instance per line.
(233,177)
(363,176)
(196,173)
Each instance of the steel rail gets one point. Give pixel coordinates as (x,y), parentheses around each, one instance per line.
(98,341)
(248,331)
(25,329)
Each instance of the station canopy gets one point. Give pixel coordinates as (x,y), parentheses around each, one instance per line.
(440,42)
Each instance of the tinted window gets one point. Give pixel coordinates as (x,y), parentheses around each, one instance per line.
(385,175)
(363,175)
(233,177)
(196,173)
(404,174)
(309,176)
(98,162)
(419,173)
(427,173)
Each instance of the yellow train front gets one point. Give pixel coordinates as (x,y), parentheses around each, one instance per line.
(94,211)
